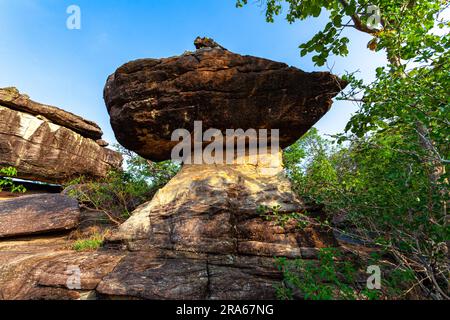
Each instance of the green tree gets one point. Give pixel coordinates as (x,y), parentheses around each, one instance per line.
(157,174)
(391,179)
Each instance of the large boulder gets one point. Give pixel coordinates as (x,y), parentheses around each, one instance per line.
(148,99)
(216,209)
(37,214)
(46,150)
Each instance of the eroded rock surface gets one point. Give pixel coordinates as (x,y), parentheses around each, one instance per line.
(11,98)
(214,209)
(37,214)
(148,99)
(47,151)
(46,268)
(202,236)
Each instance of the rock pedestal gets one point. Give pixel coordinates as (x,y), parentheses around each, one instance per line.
(203,237)
(216,209)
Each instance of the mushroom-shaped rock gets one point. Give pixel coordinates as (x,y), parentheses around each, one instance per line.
(212,212)
(150,98)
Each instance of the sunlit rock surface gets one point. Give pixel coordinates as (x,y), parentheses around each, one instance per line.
(203,237)
(47,151)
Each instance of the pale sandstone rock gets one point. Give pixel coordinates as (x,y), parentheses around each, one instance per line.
(213,209)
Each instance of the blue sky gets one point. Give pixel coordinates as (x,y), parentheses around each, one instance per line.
(68,68)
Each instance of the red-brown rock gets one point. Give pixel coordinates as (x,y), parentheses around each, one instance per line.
(150,98)
(38,214)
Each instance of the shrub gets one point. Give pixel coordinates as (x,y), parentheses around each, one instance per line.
(117,195)
(337,277)
(121,192)
(7,183)
(156,174)
(91,244)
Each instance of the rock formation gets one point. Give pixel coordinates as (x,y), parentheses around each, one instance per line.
(48,144)
(11,98)
(203,235)
(148,99)
(203,230)
(38,214)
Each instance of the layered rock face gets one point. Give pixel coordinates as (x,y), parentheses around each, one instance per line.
(215,209)
(48,144)
(202,237)
(150,98)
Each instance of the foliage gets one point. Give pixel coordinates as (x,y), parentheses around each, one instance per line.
(335,277)
(308,164)
(117,195)
(281,219)
(120,193)
(403,29)
(91,244)
(156,173)
(7,183)
(389,174)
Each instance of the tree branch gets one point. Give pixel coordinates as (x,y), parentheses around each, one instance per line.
(359,25)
